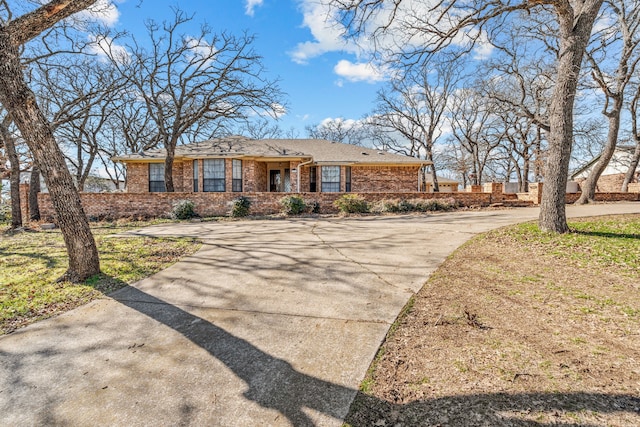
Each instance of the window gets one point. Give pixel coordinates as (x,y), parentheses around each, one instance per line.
(287,180)
(237,175)
(213,174)
(195,176)
(313,179)
(347,179)
(330,179)
(156,178)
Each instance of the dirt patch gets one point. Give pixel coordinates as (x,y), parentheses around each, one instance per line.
(508,332)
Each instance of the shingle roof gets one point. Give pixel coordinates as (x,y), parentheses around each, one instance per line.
(319,150)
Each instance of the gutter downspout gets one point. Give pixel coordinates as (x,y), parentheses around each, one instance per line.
(298,173)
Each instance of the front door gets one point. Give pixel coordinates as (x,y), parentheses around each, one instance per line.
(275,180)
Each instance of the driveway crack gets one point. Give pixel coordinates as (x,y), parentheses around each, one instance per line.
(353,261)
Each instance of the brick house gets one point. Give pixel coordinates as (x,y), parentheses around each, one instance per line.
(239,164)
(613,176)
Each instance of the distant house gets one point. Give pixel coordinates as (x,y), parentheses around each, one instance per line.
(613,176)
(239,164)
(93,184)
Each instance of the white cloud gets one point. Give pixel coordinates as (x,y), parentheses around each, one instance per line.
(279,111)
(483,49)
(402,30)
(340,122)
(251,5)
(103,11)
(105,48)
(359,72)
(201,50)
(326,32)
(275,112)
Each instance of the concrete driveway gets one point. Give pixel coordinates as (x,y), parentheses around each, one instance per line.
(270,323)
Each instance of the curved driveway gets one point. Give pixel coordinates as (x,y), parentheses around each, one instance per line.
(270,323)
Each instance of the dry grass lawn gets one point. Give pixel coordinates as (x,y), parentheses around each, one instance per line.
(32,261)
(521,328)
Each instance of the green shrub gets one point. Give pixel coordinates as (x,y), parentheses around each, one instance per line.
(292,205)
(240,207)
(183,209)
(385,206)
(315,207)
(351,203)
(433,205)
(414,205)
(406,206)
(5,213)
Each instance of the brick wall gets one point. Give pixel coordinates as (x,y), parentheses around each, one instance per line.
(305,178)
(187,175)
(178,177)
(607,183)
(606,197)
(137,177)
(396,179)
(148,205)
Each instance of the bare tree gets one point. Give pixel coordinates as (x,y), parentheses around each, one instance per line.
(476,129)
(431,27)
(20,102)
(262,129)
(624,38)
(34,189)
(78,95)
(189,83)
(347,131)
(635,135)
(8,141)
(457,160)
(414,106)
(520,82)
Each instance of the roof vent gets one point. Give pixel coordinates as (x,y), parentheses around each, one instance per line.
(365,154)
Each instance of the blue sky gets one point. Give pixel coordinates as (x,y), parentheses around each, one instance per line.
(321,75)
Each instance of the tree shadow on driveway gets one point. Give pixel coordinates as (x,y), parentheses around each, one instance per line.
(274,384)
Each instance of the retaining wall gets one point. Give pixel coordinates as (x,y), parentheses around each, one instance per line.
(149,205)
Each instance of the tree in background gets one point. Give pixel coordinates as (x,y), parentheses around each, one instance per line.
(343,130)
(414,106)
(476,129)
(635,136)
(8,141)
(419,30)
(189,85)
(621,39)
(20,102)
(78,94)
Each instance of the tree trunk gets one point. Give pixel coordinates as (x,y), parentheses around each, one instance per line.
(34,189)
(628,177)
(589,186)
(20,102)
(168,169)
(14,178)
(537,170)
(574,36)
(434,175)
(518,177)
